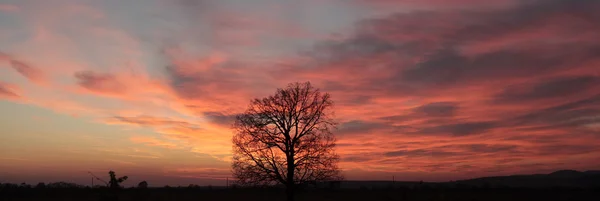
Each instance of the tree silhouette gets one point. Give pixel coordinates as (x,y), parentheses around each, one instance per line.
(114,181)
(286,139)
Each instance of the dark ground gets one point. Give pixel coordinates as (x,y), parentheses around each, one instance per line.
(197,194)
(564,185)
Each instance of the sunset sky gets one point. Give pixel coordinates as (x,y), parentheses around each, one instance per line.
(431,90)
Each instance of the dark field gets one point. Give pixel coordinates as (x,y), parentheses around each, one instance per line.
(184,194)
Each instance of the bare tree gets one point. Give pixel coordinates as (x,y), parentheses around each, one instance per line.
(286,139)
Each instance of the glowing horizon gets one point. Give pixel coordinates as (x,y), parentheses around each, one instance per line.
(424,90)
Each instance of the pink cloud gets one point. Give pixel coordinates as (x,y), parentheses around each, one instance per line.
(438,4)
(8,91)
(208,83)
(32,73)
(9,8)
(102,83)
(442,104)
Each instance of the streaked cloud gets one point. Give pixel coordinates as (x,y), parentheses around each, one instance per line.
(103,83)
(32,73)
(8,91)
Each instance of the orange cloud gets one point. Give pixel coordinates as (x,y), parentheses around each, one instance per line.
(147,121)
(154,142)
(204,173)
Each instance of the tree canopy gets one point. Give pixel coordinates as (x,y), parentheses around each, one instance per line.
(286,138)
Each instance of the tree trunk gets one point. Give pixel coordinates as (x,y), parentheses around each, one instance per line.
(290,176)
(289,191)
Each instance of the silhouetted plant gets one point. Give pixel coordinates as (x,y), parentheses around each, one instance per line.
(114,181)
(286,139)
(143,184)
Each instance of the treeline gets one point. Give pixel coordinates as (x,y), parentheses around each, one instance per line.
(41,185)
(62,184)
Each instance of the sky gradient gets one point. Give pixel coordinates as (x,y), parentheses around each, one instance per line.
(431,90)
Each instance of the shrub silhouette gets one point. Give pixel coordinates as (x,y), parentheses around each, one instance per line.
(62,184)
(40,185)
(143,184)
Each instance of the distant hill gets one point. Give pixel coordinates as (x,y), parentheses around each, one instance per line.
(558,179)
(561,178)
(592,172)
(566,174)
